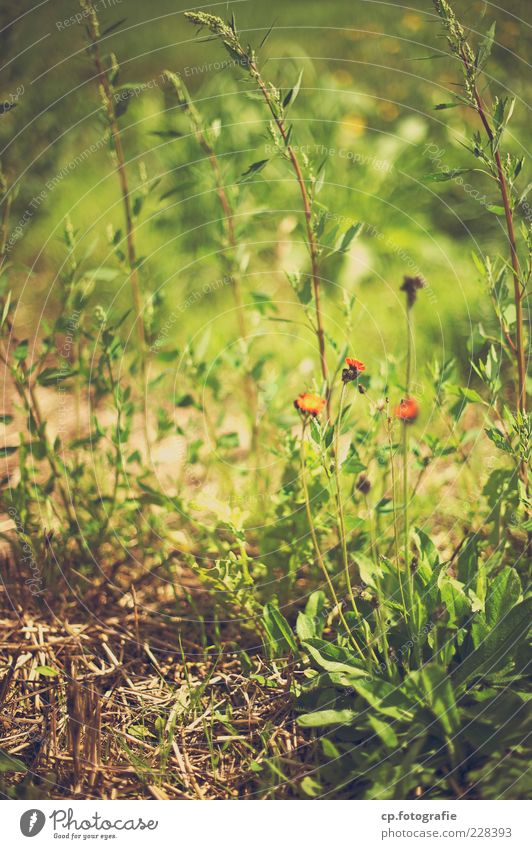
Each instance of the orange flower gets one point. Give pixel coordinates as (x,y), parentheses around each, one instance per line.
(309,403)
(357,365)
(407,410)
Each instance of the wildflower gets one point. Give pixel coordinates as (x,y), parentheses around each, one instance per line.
(354,368)
(411,286)
(309,403)
(407,410)
(363,484)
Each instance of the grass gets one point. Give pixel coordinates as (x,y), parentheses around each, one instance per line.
(266,511)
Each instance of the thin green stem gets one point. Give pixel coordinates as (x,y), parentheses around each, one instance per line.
(341,524)
(108,99)
(394,513)
(379,617)
(406,494)
(341,518)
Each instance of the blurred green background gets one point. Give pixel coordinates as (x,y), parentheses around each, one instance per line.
(373,73)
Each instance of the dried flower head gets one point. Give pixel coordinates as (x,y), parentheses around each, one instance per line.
(407,410)
(354,368)
(309,403)
(363,484)
(411,286)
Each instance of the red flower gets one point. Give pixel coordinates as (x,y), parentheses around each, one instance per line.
(309,403)
(354,368)
(407,410)
(356,365)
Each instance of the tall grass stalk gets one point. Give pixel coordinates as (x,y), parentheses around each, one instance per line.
(493,127)
(341,519)
(108,99)
(397,546)
(246,57)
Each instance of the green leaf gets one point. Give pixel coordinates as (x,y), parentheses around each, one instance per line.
(443,176)
(229,440)
(327,717)
(471,395)
(54,375)
(5,311)
(498,439)
(433,686)
(7,450)
(293,93)
(105,275)
(305,627)
(454,598)
(503,594)
(6,419)
(332,658)
(384,731)
(385,698)
(316,604)
(21,351)
(253,169)
(497,210)
(47,671)
(348,237)
(485,47)
(114,26)
(10,764)
(185,401)
(278,630)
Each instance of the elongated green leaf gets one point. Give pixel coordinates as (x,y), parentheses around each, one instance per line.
(7,450)
(293,93)
(384,730)
(327,717)
(47,671)
(385,698)
(8,763)
(485,47)
(332,658)
(499,644)
(54,375)
(305,627)
(503,593)
(253,169)
(433,687)
(278,629)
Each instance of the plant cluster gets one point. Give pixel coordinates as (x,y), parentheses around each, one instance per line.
(313,523)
